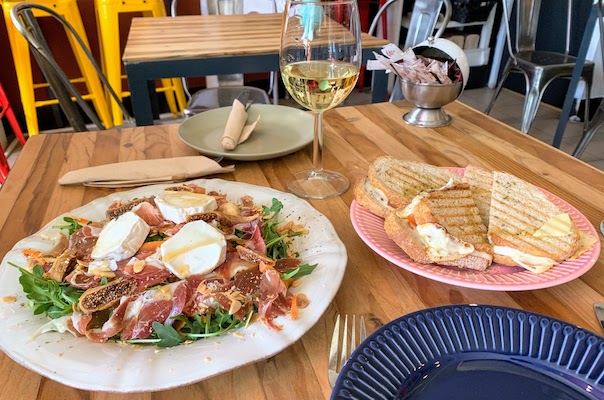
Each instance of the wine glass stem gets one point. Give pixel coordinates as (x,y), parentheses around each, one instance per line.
(317,147)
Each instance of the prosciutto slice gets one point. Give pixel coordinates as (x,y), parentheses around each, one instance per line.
(157,305)
(134,316)
(273,300)
(83,240)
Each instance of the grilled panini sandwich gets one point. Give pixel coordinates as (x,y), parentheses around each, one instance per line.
(526,228)
(442,227)
(393,183)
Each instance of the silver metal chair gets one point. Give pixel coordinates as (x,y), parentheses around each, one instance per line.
(539,67)
(424,19)
(223,96)
(597,122)
(25,22)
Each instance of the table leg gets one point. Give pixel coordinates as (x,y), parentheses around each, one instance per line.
(574,81)
(379,86)
(140,95)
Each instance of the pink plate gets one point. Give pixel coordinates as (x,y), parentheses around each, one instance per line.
(370,228)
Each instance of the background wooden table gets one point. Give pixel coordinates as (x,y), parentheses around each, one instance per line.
(381,291)
(201,45)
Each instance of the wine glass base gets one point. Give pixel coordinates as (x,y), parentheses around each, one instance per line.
(317,184)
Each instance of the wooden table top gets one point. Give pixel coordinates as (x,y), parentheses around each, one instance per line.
(196,36)
(372,286)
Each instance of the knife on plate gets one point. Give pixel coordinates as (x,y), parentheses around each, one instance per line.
(599,309)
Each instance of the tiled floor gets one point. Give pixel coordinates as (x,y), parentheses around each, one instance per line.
(507,109)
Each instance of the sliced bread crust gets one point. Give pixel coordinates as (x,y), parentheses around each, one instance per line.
(370,198)
(406,237)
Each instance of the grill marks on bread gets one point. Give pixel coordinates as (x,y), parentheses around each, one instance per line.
(456,211)
(480,181)
(518,210)
(401,181)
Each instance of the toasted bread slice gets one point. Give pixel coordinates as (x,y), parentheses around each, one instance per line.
(401,181)
(481,182)
(442,227)
(518,211)
(371,198)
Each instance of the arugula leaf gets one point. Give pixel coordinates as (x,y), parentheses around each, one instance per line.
(47,296)
(296,273)
(72,225)
(156,237)
(274,209)
(196,327)
(168,336)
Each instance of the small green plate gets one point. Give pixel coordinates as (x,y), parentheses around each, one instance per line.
(282,130)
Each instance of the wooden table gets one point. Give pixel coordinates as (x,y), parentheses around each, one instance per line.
(381,291)
(210,45)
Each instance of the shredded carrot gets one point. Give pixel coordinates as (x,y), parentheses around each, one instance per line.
(411,219)
(294,311)
(288,282)
(150,246)
(32,253)
(82,221)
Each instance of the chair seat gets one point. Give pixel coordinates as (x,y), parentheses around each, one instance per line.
(223,96)
(544,59)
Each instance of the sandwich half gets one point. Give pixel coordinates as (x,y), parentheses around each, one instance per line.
(400,181)
(525,228)
(442,227)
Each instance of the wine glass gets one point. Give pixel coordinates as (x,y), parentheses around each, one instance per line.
(320,58)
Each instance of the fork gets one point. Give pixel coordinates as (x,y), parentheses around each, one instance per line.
(339,349)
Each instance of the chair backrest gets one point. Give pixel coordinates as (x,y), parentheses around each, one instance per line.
(424,18)
(24,19)
(210,98)
(527,21)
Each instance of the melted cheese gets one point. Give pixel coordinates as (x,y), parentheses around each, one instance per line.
(175,206)
(441,245)
(376,193)
(560,225)
(196,249)
(121,238)
(528,261)
(410,209)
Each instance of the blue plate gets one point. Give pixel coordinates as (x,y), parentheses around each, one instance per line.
(475,352)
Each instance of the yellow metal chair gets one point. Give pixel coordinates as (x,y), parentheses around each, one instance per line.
(68,9)
(107,15)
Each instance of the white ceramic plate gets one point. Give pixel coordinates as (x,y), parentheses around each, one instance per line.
(282,130)
(111,367)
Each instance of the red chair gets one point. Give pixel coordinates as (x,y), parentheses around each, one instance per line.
(365,17)
(6,110)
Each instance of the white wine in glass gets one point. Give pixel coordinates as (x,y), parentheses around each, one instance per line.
(320,59)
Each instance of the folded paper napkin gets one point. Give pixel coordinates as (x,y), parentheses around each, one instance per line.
(235,131)
(144,172)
